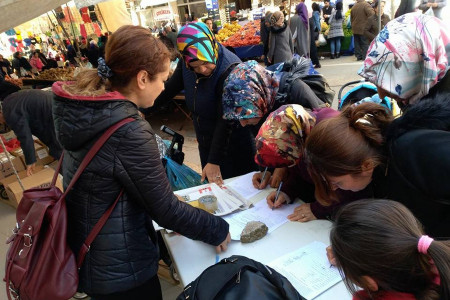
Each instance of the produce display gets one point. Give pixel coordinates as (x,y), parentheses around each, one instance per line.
(227,31)
(347,31)
(17,82)
(324,27)
(57,74)
(248,35)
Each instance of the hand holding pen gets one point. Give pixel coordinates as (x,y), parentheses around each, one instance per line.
(282,198)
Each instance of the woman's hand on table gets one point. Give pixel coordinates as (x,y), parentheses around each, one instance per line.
(282,198)
(224,245)
(330,256)
(302,213)
(256,180)
(212,173)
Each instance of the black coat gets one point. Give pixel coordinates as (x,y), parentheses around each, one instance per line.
(124,255)
(419,165)
(27,113)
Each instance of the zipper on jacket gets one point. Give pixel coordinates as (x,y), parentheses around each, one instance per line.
(238,279)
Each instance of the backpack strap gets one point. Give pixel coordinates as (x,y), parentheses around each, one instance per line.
(90,155)
(87,159)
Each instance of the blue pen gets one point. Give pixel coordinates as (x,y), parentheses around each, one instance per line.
(278,193)
(217,258)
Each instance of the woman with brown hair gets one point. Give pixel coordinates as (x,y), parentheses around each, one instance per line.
(380,246)
(406,160)
(123,260)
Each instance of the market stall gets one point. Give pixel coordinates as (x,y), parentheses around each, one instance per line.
(245,40)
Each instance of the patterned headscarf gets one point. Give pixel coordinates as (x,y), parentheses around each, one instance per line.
(280,139)
(277,19)
(409,56)
(249,91)
(302,11)
(196,42)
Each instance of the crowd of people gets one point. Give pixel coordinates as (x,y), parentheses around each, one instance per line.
(248,117)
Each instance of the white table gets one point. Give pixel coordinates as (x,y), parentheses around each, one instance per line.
(191,258)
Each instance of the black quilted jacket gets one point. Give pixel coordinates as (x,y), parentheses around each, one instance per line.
(123,255)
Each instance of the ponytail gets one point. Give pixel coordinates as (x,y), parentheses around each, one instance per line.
(87,83)
(439,252)
(371,119)
(129,50)
(381,239)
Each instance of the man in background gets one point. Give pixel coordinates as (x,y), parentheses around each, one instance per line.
(28,113)
(359,15)
(371,30)
(327,10)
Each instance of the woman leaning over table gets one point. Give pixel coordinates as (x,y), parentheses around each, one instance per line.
(123,260)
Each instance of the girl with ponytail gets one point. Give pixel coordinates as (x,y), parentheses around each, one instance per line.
(380,246)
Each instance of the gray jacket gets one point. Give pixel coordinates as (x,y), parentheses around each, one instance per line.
(281,46)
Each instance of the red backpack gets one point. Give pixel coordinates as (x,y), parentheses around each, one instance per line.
(40,264)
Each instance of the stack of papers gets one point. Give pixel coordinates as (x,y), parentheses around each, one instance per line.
(227,201)
(260,212)
(243,185)
(308,269)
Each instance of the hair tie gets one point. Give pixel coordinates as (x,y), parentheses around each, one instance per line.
(424,243)
(103,70)
(365,119)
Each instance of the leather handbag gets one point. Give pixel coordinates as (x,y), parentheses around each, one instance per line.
(39,263)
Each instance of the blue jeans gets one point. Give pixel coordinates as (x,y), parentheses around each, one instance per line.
(335,45)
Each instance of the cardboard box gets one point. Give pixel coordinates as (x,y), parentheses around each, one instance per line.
(42,155)
(6,168)
(42,177)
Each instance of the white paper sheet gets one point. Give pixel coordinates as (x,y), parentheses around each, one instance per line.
(308,269)
(227,203)
(260,212)
(244,186)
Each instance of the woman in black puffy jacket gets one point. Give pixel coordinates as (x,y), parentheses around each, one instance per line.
(123,260)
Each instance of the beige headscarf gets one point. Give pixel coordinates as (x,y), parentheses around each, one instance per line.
(277,19)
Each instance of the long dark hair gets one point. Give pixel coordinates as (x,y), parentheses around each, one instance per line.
(339,10)
(340,145)
(315,7)
(379,238)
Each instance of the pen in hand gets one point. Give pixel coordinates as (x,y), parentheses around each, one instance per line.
(278,193)
(264,175)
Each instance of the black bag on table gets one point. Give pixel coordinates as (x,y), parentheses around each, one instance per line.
(240,278)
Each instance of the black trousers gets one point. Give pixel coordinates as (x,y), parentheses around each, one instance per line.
(361,46)
(151,290)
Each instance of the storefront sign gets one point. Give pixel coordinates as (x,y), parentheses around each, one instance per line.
(162,13)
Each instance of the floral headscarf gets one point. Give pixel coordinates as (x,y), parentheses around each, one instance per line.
(409,56)
(280,139)
(196,42)
(249,91)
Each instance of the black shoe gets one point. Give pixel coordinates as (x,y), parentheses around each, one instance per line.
(317,66)
(332,56)
(359,59)
(338,55)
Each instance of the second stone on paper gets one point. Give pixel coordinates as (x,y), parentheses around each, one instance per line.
(253,231)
